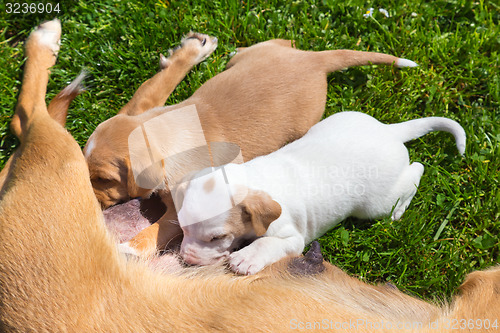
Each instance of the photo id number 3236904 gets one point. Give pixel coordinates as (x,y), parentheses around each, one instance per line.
(31,8)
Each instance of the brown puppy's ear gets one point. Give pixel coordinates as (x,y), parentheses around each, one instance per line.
(262,210)
(58,107)
(132,187)
(150,179)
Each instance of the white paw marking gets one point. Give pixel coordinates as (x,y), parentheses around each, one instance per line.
(49,34)
(125,248)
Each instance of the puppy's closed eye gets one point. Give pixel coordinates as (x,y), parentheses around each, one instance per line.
(103,182)
(217,238)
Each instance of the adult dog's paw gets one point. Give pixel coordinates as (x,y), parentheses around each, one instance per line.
(247,261)
(48,34)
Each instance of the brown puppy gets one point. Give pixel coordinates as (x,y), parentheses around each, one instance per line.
(270,94)
(60,270)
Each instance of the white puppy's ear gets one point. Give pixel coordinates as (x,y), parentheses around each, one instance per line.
(178,191)
(262,210)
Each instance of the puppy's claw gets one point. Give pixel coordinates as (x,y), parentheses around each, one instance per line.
(246,261)
(199,45)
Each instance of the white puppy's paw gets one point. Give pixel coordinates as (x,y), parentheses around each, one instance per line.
(198,46)
(247,261)
(49,34)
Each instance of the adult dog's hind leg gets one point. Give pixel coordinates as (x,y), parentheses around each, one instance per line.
(154,92)
(41,50)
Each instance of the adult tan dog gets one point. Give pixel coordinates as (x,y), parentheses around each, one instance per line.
(270,94)
(60,271)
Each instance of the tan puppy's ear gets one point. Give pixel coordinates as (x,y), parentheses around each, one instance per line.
(150,178)
(132,187)
(263,210)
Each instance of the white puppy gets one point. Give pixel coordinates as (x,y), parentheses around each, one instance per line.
(347,165)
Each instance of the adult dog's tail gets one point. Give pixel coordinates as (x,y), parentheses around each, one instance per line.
(58,107)
(335,60)
(412,129)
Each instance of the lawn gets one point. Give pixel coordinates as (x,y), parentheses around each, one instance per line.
(452,226)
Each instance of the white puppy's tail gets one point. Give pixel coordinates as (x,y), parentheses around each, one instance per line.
(413,129)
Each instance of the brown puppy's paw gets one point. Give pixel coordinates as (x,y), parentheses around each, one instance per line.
(195,47)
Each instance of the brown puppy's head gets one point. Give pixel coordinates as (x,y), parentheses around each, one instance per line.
(107,156)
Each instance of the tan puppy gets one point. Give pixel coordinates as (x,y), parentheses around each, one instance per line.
(60,270)
(270,94)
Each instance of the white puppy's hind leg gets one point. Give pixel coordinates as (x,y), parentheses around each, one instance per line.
(406,188)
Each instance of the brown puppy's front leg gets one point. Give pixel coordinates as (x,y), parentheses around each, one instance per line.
(164,233)
(154,92)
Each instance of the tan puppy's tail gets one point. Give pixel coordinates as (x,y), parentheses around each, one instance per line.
(58,107)
(336,60)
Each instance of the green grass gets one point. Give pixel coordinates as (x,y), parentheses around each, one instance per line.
(452,226)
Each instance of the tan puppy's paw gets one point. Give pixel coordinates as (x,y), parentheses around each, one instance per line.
(48,34)
(194,47)
(247,261)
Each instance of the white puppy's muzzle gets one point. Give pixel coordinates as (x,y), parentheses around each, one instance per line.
(195,257)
